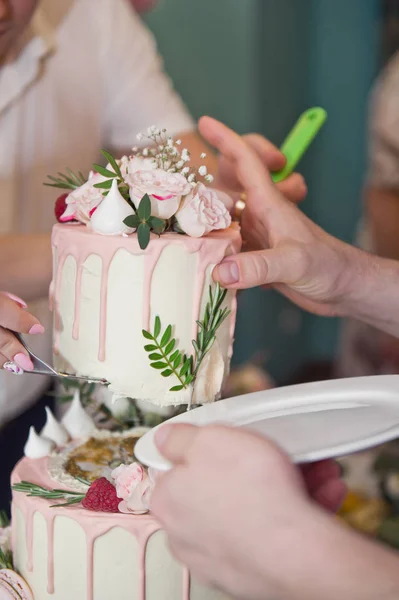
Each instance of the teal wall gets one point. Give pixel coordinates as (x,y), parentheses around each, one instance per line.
(256,64)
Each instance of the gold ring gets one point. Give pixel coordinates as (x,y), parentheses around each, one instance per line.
(239,207)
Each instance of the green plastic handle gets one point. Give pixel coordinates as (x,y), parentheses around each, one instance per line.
(299,140)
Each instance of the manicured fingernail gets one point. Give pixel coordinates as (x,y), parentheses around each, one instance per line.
(16,299)
(23,361)
(11,367)
(36,329)
(228,273)
(162,435)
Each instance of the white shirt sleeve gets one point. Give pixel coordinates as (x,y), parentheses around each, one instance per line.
(137,91)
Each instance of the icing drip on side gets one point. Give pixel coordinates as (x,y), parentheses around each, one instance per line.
(186,584)
(50,554)
(80,243)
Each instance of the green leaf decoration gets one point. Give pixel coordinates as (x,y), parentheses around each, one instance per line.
(37,491)
(104,185)
(66,182)
(6,559)
(157,327)
(176,388)
(105,172)
(166,336)
(143,234)
(214,316)
(144,209)
(166,357)
(112,162)
(158,226)
(4,520)
(132,221)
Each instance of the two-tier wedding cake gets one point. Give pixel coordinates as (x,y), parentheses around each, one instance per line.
(134,305)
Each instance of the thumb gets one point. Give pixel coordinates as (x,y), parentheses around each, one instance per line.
(175,441)
(252,269)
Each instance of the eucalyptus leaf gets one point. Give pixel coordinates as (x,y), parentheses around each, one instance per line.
(132,221)
(144,209)
(143,234)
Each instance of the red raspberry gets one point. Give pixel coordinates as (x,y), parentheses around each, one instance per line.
(60,207)
(102,497)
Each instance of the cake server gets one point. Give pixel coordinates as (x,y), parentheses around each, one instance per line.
(311,422)
(40,367)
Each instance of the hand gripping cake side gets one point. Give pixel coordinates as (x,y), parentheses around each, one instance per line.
(81,527)
(132,291)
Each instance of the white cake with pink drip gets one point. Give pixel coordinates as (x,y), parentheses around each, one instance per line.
(134,305)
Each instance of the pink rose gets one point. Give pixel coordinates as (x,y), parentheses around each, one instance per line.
(127,478)
(202,211)
(164,189)
(82,202)
(134,485)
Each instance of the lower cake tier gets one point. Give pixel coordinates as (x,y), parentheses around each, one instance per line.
(66,553)
(106,291)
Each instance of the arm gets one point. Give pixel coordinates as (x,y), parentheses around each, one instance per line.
(383,216)
(25,264)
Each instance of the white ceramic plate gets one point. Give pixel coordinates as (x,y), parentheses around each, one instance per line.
(310,422)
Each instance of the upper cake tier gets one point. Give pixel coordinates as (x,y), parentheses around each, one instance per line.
(133,297)
(106,290)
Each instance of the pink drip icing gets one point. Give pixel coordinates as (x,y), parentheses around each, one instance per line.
(94,525)
(50,553)
(57,319)
(78,292)
(186,584)
(80,243)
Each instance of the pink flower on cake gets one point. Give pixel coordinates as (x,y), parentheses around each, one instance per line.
(135,486)
(164,189)
(202,211)
(82,202)
(131,164)
(127,478)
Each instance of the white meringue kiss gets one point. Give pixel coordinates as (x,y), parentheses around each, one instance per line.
(76,421)
(37,446)
(109,216)
(53,430)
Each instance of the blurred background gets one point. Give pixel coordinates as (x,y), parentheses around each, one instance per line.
(257,65)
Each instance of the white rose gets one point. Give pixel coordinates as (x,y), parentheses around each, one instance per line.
(82,202)
(164,189)
(202,211)
(130,164)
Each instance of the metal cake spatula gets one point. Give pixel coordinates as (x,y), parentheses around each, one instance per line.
(42,368)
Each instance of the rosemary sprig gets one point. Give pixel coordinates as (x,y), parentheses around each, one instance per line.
(37,491)
(6,559)
(67,182)
(213,318)
(4,520)
(165,358)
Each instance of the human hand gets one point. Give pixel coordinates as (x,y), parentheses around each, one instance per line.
(234,507)
(293,188)
(289,252)
(13,356)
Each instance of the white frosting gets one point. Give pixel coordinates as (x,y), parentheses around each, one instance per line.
(210,375)
(109,216)
(53,430)
(37,446)
(76,421)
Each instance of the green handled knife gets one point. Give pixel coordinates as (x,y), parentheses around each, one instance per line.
(299,140)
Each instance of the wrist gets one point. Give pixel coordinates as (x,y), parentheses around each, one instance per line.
(331,561)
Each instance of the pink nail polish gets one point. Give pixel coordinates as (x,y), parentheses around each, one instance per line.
(23,361)
(16,299)
(11,367)
(35,329)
